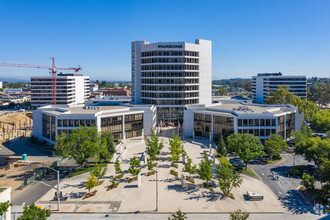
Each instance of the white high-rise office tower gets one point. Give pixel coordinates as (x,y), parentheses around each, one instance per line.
(71,89)
(171,75)
(264,83)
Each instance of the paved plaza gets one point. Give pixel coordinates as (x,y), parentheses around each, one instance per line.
(172,196)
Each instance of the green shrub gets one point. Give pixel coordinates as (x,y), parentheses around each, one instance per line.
(174,165)
(173,172)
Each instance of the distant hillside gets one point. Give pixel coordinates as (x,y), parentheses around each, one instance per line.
(13,80)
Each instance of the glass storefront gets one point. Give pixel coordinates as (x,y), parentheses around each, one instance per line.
(170,114)
(222,125)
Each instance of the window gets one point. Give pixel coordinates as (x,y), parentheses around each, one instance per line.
(240,123)
(245,122)
(59,123)
(65,123)
(256,122)
(76,123)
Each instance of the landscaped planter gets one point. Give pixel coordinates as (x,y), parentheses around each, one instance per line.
(151,173)
(88,195)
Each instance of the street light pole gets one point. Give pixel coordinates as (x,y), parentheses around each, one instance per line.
(156,190)
(58,186)
(58,190)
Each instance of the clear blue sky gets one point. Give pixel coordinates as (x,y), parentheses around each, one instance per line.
(249,36)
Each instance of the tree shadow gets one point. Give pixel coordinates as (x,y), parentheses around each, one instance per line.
(282,170)
(295,203)
(77,195)
(193,192)
(81,185)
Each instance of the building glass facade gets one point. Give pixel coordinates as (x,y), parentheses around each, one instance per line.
(170,114)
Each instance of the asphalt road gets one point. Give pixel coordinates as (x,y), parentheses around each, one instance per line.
(36,190)
(285,188)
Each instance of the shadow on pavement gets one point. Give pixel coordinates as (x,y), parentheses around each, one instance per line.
(294,203)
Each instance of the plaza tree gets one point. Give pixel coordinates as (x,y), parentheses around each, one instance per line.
(205,170)
(189,168)
(107,148)
(176,147)
(33,212)
(99,171)
(82,144)
(4,206)
(221,146)
(117,167)
(227,179)
(275,145)
(239,215)
(154,145)
(150,164)
(91,182)
(134,162)
(246,146)
(178,215)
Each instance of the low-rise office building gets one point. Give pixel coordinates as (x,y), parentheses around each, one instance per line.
(208,121)
(227,118)
(123,121)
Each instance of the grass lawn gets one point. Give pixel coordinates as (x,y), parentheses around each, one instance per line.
(86,169)
(248,172)
(274,161)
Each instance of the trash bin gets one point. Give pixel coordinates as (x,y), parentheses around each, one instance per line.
(24,157)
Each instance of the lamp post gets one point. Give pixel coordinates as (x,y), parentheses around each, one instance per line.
(58,186)
(156,190)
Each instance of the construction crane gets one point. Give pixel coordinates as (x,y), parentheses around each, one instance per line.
(53,70)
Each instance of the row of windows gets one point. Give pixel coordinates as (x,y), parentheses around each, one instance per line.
(46,99)
(170,60)
(49,79)
(285,79)
(170,81)
(111,121)
(301,90)
(57,95)
(170,74)
(256,122)
(170,95)
(285,83)
(170,88)
(75,122)
(170,67)
(275,87)
(170,102)
(170,53)
(257,132)
(134,117)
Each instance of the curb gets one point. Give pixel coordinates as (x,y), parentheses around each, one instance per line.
(156,212)
(277,162)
